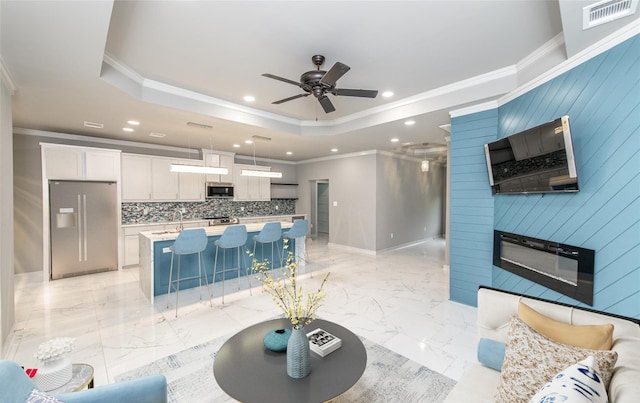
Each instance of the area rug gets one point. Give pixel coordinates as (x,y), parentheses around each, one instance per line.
(388,377)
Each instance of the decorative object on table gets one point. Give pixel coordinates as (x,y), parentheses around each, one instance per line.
(322,342)
(56,368)
(276,340)
(298,308)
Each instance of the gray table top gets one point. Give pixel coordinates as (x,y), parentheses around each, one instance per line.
(248,372)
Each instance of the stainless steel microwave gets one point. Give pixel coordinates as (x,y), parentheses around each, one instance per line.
(213,190)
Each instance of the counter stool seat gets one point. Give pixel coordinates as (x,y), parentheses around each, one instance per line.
(188,242)
(299,229)
(234,236)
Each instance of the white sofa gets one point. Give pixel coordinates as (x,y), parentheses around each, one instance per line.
(495,309)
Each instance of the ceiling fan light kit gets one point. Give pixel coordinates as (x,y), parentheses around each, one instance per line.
(320,83)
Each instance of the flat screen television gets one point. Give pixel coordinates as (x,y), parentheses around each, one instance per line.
(537,160)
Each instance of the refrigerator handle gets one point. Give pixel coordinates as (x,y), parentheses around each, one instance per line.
(84,223)
(79,226)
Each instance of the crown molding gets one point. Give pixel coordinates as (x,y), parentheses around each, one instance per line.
(339,156)
(6,78)
(485,106)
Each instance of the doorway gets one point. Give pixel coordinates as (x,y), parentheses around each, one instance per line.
(323,208)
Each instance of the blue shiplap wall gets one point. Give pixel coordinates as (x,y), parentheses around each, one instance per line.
(602,98)
(471,206)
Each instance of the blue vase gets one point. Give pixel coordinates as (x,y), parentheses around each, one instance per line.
(298,354)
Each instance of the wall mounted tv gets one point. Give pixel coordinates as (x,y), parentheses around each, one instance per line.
(537,160)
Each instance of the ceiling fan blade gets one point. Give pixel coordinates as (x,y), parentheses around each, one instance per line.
(335,72)
(355,93)
(290,98)
(326,104)
(286,80)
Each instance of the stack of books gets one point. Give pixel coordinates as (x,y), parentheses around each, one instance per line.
(322,342)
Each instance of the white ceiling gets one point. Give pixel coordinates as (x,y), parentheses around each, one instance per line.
(166,63)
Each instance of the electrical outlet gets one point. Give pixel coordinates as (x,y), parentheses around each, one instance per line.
(145,211)
(241,208)
(425,229)
(276,207)
(183,210)
(392,235)
(335,204)
(166,250)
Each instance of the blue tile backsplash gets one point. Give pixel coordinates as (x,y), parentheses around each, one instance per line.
(151,212)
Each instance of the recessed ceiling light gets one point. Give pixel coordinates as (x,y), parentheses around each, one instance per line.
(236,146)
(333,150)
(249,98)
(289,153)
(93,125)
(410,122)
(127,129)
(394,140)
(248,141)
(387,94)
(158,135)
(133,122)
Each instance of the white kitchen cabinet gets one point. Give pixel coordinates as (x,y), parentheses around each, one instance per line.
(190,185)
(251,188)
(81,163)
(136,177)
(164,183)
(219,159)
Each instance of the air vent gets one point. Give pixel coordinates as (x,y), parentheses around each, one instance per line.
(261,138)
(158,135)
(199,125)
(606,11)
(93,125)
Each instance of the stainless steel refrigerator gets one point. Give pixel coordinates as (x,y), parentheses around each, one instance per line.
(84,227)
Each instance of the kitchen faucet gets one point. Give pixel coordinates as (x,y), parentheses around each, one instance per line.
(180,226)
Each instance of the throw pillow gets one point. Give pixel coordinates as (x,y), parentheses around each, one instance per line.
(594,337)
(37,396)
(580,383)
(491,353)
(531,359)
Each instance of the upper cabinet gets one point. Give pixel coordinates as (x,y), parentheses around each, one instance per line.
(251,188)
(80,163)
(218,159)
(149,178)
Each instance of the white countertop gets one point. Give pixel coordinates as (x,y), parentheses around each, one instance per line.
(161,235)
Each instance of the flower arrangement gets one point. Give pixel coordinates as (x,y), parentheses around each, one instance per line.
(286,292)
(55,348)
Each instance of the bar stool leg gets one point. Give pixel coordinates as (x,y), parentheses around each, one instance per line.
(178,287)
(170,279)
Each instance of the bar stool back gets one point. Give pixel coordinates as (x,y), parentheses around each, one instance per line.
(188,242)
(270,233)
(234,236)
(299,229)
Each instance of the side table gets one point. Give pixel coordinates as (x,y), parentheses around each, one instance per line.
(81,377)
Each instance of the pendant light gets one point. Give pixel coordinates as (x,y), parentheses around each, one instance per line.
(258,172)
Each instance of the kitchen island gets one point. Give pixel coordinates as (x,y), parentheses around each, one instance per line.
(155,257)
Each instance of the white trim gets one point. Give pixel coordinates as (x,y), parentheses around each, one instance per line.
(58,145)
(535,57)
(6,78)
(123,68)
(474,109)
(335,157)
(261,159)
(403,246)
(621,35)
(399,156)
(351,248)
(79,137)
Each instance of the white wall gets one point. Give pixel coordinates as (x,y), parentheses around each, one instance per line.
(352,185)
(7,304)
(409,202)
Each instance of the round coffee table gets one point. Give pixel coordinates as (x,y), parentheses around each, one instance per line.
(248,372)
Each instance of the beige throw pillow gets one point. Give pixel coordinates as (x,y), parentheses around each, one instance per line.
(594,337)
(531,359)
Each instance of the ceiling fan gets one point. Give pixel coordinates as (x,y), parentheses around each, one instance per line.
(320,83)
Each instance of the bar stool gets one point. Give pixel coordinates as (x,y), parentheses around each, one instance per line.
(270,233)
(188,242)
(234,236)
(299,229)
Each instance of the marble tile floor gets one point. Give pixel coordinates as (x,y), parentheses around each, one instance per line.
(398,299)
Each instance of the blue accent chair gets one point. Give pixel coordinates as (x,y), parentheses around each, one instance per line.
(15,387)
(188,242)
(234,236)
(270,233)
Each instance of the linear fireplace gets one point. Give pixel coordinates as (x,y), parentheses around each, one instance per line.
(563,268)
